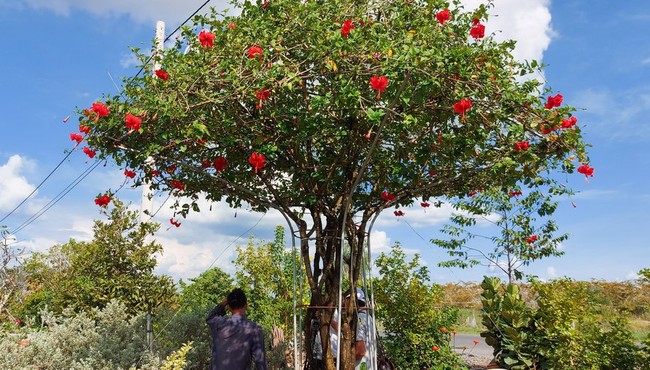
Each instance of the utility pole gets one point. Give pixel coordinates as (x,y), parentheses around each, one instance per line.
(146,203)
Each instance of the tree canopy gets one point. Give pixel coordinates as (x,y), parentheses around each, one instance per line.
(331,111)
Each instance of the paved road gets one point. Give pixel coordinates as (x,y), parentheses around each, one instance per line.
(464,343)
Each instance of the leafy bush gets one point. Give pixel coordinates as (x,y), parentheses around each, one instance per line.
(569,327)
(417,332)
(177,327)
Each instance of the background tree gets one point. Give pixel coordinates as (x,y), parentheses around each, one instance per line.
(329,112)
(206,290)
(417,328)
(9,273)
(525,231)
(265,272)
(117,264)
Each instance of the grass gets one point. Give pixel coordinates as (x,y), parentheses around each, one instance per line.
(469,321)
(640,328)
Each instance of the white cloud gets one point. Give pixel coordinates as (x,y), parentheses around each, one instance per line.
(526,21)
(183,260)
(379,243)
(551,272)
(14,187)
(416,215)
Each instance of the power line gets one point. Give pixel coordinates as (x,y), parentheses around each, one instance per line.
(57,198)
(39,185)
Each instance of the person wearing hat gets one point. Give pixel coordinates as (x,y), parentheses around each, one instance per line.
(364,344)
(236,341)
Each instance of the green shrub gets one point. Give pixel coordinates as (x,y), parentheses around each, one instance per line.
(568,328)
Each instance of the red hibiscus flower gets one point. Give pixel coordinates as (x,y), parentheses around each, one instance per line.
(100,109)
(463,106)
(129,173)
(521,146)
(553,101)
(257,161)
(76,137)
(171,169)
(206,163)
(531,239)
(388,197)
(443,16)
(177,185)
(84,129)
(255,51)
(569,122)
(399,213)
(586,170)
(379,84)
(262,95)
(175,223)
(155,173)
(478,30)
(472,193)
(443,330)
(161,74)
(346,28)
(102,200)
(220,163)
(425,204)
(132,122)
(435,348)
(231,25)
(514,193)
(89,152)
(206,38)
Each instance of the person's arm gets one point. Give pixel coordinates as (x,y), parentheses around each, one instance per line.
(359,349)
(219,310)
(362,335)
(257,349)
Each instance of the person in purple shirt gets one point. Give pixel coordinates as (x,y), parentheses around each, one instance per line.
(236,341)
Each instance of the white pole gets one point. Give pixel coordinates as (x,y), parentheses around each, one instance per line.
(146,204)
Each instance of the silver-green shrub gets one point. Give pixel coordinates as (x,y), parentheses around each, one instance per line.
(100,340)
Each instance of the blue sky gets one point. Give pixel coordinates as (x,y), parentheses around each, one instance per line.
(60,55)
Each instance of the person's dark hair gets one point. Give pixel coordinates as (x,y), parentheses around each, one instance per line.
(236,299)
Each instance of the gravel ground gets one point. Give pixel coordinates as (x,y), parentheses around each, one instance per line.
(476,362)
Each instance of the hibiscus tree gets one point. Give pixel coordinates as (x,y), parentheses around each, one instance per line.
(324,145)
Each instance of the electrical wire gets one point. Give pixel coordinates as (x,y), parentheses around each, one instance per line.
(39,185)
(57,198)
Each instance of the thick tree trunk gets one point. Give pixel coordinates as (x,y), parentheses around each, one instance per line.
(323,274)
